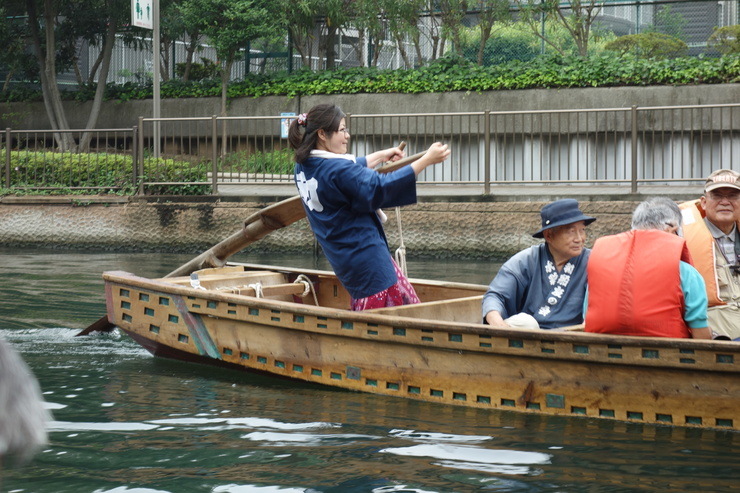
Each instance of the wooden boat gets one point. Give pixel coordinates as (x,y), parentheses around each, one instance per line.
(293,323)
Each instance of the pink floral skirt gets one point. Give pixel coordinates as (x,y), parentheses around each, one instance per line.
(401,293)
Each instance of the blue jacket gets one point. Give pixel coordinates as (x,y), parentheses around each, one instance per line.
(529,283)
(340,197)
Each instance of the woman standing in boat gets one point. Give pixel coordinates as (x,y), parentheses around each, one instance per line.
(544,285)
(342,195)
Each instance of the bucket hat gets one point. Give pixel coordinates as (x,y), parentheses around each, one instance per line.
(722,178)
(560,213)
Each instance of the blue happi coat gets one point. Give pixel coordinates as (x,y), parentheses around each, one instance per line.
(341,197)
(529,283)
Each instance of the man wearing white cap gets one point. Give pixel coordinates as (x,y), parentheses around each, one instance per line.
(544,285)
(711,232)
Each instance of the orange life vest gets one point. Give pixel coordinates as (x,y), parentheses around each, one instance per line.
(634,285)
(701,245)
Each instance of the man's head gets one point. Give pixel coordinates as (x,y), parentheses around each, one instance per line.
(721,199)
(564,228)
(658,213)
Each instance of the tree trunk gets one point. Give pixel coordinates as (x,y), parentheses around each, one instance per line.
(107,52)
(225,75)
(164,66)
(402,51)
(301,46)
(361,37)
(47,69)
(485,35)
(331,36)
(94,68)
(417,46)
(191,47)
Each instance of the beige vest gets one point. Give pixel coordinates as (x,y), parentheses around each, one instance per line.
(725,319)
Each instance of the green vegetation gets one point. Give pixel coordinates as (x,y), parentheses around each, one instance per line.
(450,74)
(279,162)
(726,39)
(90,173)
(53,173)
(650,45)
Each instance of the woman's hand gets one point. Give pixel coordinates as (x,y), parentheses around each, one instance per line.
(384,156)
(394,154)
(437,153)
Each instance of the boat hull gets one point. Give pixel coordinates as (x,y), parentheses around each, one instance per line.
(435,359)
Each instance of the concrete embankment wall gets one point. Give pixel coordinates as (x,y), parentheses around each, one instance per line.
(115,114)
(471,229)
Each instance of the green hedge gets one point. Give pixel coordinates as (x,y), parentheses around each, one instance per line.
(279,161)
(86,173)
(98,172)
(444,75)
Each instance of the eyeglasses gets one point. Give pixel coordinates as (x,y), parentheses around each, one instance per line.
(718,197)
(344,131)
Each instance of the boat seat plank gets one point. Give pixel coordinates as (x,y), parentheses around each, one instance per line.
(466,309)
(291,288)
(215,281)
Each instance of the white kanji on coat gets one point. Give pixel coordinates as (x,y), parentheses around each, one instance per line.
(308,189)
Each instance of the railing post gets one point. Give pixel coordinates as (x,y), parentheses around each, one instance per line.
(214,155)
(487,152)
(139,172)
(8,145)
(134,150)
(633,179)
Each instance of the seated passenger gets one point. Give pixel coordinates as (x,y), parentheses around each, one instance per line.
(712,231)
(544,284)
(642,283)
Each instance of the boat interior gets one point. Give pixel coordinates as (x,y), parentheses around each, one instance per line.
(454,302)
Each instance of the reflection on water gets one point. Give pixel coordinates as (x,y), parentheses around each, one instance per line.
(127,422)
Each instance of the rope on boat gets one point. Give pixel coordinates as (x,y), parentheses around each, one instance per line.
(308,287)
(257,290)
(401,250)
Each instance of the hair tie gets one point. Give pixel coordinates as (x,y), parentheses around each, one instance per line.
(302,119)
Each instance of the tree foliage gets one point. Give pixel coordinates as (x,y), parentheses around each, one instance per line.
(726,39)
(230,25)
(649,45)
(576,16)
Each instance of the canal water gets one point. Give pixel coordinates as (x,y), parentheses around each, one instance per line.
(126,422)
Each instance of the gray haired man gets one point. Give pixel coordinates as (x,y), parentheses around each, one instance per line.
(642,283)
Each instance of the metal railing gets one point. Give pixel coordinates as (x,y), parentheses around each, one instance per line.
(94,160)
(634,146)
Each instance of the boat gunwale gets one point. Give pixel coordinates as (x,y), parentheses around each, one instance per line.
(126,278)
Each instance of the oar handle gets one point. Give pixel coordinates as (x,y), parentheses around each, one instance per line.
(400,163)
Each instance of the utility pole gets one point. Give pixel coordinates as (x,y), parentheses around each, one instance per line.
(145,13)
(156,113)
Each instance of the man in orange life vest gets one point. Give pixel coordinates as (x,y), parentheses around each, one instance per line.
(711,232)
(641,282)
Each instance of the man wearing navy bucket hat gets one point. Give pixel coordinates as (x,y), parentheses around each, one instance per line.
(544,286)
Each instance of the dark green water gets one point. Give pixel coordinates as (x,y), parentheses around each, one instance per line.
(126,422)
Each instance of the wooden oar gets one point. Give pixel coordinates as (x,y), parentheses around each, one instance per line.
(256,226)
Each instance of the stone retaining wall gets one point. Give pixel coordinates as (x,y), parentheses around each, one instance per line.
(117,114)
(430,229)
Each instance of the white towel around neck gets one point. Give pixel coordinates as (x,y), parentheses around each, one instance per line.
(331,155)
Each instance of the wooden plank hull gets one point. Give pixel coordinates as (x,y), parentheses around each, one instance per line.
(436,351)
